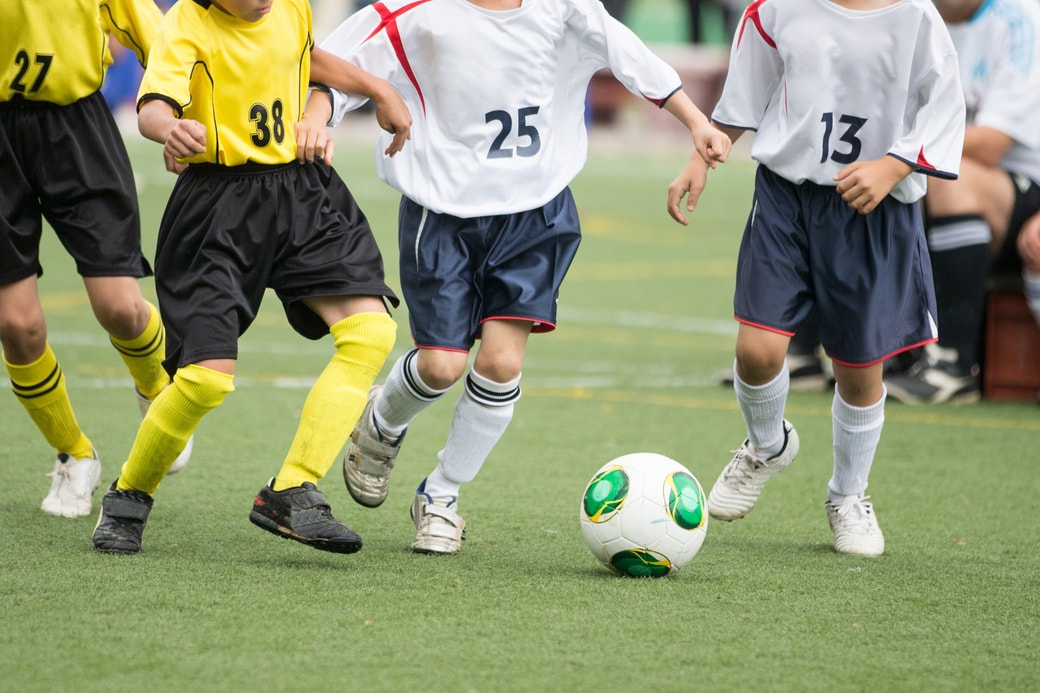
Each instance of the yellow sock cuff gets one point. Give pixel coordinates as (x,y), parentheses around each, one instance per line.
(143,356)
(370,336)
(36,378)
(172,418)
(204,387)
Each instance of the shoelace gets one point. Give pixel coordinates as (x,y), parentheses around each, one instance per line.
(745,464)
(861,508)
(62,471)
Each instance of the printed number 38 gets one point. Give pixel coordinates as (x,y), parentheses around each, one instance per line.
(854,124)
(523,129)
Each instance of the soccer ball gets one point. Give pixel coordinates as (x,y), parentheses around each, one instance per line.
(644,515)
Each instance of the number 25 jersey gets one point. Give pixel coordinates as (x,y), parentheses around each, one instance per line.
(497,97)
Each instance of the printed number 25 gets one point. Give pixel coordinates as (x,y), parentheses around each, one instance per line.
(854,124)
(523,129)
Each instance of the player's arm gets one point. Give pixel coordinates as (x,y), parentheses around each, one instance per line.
(711,143)
(391,112)
(157,120)
(134,23)
(986,145)
(711,146)
(312,135)
(689,184)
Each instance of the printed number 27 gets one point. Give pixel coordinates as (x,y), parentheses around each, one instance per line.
(848,137)
(523,129)
(25,63)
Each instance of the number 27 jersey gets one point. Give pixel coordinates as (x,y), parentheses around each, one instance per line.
(825,86)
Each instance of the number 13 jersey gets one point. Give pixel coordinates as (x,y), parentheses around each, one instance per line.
(824,86)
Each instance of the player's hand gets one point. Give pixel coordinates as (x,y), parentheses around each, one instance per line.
(393,116)
(172,165)
(689,184)
(864,184)
(713,145)
(1029,243)
(313,141)
(185,139)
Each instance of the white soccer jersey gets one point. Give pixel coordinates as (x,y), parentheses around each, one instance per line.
(999,53)
(497,97)
(824,86)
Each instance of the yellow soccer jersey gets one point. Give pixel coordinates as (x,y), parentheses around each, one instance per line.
(245,81)
(57,50)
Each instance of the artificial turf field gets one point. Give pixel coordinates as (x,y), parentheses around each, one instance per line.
(214,604)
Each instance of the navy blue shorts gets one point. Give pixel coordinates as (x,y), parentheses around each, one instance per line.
(868,276)
(230,233)
(68,164)
(458,273)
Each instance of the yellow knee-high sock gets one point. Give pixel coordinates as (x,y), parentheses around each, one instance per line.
(40,387)
(143,356)
(170,421)
(363,342)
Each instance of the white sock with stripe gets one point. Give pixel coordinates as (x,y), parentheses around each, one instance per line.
(482,413)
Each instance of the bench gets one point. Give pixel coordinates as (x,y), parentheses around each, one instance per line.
(1011,348)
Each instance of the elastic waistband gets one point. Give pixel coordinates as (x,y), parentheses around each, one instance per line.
(246,169)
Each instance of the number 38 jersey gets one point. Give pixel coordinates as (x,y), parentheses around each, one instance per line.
(57,50)
(825,86)
(245,81)
(497,97)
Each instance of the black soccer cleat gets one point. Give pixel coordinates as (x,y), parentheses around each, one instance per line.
(302,514)
(121,521)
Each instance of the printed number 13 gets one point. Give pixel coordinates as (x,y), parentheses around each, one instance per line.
(848,137)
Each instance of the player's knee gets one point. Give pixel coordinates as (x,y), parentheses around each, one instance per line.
(440,370)
(123,317)
(501,365)
(23,336)
(757,364)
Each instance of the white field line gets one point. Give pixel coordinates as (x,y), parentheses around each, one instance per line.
(540,373)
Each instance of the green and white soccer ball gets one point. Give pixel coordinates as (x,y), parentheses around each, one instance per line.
(644,515)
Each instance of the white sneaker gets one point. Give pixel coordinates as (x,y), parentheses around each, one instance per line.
(143,403)
(369,459)
(739,485)
(72,483)
(439,528)
(855,527)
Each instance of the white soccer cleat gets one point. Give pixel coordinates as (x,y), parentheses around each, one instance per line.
(855,527)
(143,403)
(369,459)
(439,528)
(740,484)
(72,483)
